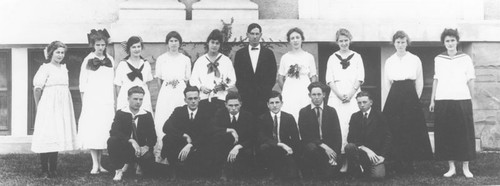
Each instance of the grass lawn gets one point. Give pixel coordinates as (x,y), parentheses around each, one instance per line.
(73,169)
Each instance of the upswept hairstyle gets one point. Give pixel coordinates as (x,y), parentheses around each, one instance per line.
(53,47)
(131,41)
(450,32)
(292,30)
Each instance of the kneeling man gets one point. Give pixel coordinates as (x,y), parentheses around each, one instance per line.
(132,136)
(279,139)
(369,139)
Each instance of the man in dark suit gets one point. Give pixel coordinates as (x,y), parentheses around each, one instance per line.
(235,135)
(186,137)
(132,136)
(320,131)
(255,68)
(369,139)
(278,139)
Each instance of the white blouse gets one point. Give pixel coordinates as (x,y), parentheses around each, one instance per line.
(353,73)
(452,74)
(104,75)
(121,78)
(177,67)
(304,60)
(409,67)
(200,76)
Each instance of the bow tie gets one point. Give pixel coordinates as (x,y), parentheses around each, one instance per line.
(94,64)
(345,62)
(212,67)
(254,48)
(136,73)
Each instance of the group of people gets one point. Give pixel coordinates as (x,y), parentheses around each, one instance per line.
(223,118)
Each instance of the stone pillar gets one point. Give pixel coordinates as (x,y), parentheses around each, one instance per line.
(19,122)
(225,9)
(151,10)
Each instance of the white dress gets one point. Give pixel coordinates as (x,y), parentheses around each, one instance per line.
(344,80)
(55,126)
(169,68)
(122,80)
(98,103)
(295,93)
(201,78)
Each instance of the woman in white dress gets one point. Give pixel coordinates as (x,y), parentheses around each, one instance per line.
(297,70)
(55,126)
(344,75)
(98,99)
(134,70)
(173,70)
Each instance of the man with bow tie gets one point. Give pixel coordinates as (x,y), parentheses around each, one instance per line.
(321,137)
(234,138)
(132,136)
(369,139)
(278,139)
(255,68)
(186,136)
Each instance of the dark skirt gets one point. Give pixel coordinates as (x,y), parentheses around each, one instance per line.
(454,130)
(407,123)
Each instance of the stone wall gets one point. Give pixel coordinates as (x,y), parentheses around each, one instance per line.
(486,99)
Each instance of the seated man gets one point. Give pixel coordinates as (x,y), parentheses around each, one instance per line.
(185,140)
(369,139)
(279,139)
(320,131)
(234,137)
(132,136)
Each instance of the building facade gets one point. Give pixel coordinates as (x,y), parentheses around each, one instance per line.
(29,25)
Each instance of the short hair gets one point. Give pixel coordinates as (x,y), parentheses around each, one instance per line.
(275,94)
(173,34)
(135,90)
(363,94)
(131,41)
(191,89)
(233,95)
(401,35)
(450,32)
(317,84)
(53,47)
(292,30)
(252,26)
(216,34)
(343,32)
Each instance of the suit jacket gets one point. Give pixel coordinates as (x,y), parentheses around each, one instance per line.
(288,132)
(179,124)
(375,134)
(254,88)
(122,128)
(245,126)
(309,127)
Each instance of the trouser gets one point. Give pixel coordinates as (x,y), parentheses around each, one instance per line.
(48,161)
(357,157)
(244,162)
(121,152)
(314,161)
(197,162)
(276,159)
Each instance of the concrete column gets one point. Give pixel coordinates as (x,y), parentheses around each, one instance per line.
(473,10)
(223,9)
(20,99)
(309,9)
(151,10)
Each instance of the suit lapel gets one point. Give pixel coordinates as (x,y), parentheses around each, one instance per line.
(248,61)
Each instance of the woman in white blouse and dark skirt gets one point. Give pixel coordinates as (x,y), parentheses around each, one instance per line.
(403,75)
(452,91)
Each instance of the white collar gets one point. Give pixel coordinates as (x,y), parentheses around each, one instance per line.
(314,106)
(250,47)
(231,116)
(127,110)
(368,112)
(277,114)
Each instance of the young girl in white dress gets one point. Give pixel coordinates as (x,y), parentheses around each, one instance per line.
(173,70)
(98,99)
(134,70)
(297,70)
(344,74)
(55,126)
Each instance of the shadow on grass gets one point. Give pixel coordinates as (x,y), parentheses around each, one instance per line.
(73,169)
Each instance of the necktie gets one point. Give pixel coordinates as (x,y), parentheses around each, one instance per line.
(318,115)
(233,121)
(191,117)
(275,128)
(365,118)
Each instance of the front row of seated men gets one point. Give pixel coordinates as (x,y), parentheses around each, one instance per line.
(234,141)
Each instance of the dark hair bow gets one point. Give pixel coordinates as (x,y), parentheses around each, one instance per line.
(345,62)
(96,33)
(136,73)
(95,63)
(213,66)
